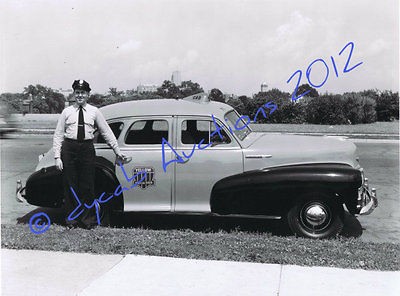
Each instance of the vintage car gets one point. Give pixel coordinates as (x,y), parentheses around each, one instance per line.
(201,157)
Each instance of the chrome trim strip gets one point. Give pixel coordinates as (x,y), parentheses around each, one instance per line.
(249,216)
(258,156)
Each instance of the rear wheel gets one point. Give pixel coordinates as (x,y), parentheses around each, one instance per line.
(316,216)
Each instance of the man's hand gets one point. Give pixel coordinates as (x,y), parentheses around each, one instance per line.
(59,164)
(122,158)
(121,155)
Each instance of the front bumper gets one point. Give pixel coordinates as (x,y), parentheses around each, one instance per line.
(367,200)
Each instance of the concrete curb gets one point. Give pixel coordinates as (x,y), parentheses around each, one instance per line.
(29,272)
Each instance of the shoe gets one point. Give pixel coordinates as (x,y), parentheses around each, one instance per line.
(72,225)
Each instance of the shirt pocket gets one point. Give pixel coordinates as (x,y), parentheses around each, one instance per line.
(89,121)
(70,121)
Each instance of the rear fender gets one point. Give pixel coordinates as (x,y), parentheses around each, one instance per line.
(273,191)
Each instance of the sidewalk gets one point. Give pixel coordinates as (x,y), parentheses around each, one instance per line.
(27,272)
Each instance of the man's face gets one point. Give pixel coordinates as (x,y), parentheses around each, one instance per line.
(81,96)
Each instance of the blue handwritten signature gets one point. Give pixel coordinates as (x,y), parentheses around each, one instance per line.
(180,158)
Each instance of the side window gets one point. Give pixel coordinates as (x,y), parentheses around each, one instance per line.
(193,131)
(147,132)
(116,128)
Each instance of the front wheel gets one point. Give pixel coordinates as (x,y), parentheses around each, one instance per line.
(316,217)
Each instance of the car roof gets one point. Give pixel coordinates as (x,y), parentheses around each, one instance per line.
(163,107)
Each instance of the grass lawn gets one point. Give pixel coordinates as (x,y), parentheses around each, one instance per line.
(221,245)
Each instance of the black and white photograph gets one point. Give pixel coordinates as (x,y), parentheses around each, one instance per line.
(188,147)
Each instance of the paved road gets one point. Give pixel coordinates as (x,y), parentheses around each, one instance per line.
(19,156)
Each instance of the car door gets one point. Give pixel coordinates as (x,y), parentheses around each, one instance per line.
(195,178)
(142,141)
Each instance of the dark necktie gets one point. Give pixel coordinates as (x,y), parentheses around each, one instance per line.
(81,126)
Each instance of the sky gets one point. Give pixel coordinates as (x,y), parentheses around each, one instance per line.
(233,45)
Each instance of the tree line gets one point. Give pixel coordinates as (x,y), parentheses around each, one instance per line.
(349,108)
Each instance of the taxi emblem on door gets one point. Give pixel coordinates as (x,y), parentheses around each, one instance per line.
(148,181)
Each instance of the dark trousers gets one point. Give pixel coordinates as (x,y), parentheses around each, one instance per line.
(78,172)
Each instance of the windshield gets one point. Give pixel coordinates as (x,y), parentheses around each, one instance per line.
(238,124)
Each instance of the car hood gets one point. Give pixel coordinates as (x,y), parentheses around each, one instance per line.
(268,150)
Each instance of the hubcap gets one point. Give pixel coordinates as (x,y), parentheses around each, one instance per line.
(315,215)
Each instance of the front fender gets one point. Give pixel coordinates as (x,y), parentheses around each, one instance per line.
(45,188)
(273,191)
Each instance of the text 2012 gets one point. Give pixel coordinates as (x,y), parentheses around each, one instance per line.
(346,69)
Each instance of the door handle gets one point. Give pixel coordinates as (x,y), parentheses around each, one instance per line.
(119,161)
(185,161)
(259,156)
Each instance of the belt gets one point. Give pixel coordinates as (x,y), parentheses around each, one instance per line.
(76,141)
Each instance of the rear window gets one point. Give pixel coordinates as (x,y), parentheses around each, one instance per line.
(144,132)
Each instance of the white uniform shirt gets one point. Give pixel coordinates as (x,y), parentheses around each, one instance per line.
(67,127)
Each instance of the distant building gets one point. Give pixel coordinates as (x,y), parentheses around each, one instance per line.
(27,106)
(228,97)
(264,87)
(143,88)
(66,93)
(176,78)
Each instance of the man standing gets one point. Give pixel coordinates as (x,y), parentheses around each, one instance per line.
(75,155)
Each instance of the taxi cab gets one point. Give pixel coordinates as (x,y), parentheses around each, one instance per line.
(201,157)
